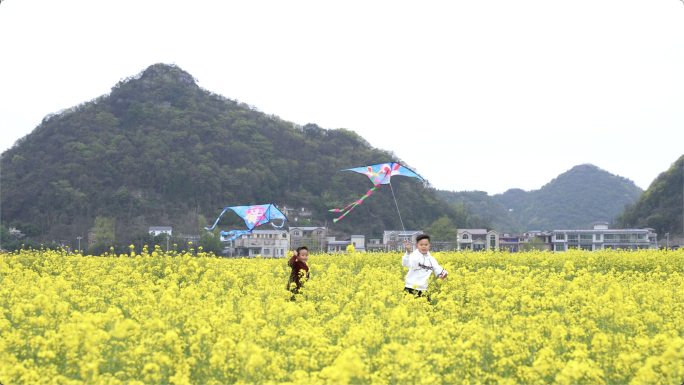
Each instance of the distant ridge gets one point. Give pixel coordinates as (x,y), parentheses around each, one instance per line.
(573,200)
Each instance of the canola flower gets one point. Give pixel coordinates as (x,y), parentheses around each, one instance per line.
(609,317)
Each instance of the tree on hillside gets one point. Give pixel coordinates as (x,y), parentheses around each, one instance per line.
(443,234)
(660,206)
(104,230)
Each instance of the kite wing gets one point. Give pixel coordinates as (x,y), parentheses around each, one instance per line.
(379,174)
(382,173)
(254,216)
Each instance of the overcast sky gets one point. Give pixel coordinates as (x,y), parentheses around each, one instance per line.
(474,95)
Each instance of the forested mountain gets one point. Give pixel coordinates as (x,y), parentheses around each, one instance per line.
(573,200)
(486,211)
(160,150)
(661,205)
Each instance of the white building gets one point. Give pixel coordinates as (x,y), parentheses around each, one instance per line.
(267,243)
(478,239)
(358,241)
(396,240)
(601,237)
(157,230)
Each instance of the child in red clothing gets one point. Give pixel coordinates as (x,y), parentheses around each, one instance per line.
(300,270)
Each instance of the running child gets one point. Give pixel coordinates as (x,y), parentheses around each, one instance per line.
(420,264)
(300,270)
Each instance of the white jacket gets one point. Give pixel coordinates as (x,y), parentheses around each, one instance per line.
(420,267)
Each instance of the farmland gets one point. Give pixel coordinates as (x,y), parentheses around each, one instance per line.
(609,317)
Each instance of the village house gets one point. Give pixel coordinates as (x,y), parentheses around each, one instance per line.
(601,238)
(358,241)
(267,243)
(478,239)
(375,245)
(513,243)
(158,230)
(314,238)
(396,240)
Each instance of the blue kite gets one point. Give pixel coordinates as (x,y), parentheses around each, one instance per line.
(379,174)
(253,216)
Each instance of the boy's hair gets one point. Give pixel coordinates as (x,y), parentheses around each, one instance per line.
(421,237)
(302,248)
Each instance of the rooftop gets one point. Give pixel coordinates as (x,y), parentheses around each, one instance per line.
(307,228)
(601,231)
(473,231)
(401,232)
(268,231)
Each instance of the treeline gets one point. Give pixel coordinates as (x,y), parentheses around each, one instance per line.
(160,150)
(661,206)
(485,211)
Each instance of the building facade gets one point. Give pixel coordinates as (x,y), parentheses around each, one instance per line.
(513,243)
(396,240)
(375,245)
(601,238)
(314,238)
(158,230)
(478,239)
(540,240)
(267,243)
(358,241)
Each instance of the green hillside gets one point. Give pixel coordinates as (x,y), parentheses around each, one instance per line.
(159,150)
(487,212)
(573,200)
(661,205)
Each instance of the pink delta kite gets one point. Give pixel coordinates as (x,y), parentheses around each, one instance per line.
(379,174)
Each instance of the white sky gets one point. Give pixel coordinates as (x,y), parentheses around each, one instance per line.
(474,95)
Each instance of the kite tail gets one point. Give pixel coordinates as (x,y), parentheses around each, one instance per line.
(353,205)
(234,233)
(217,220)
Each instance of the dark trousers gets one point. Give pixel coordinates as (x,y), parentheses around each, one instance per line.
(418,293)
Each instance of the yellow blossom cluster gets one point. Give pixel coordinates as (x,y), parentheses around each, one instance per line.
(608,317)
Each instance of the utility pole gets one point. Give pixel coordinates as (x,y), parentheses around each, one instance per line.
(667,236)
(79,244)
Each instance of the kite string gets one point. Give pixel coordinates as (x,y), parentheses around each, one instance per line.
(395,203)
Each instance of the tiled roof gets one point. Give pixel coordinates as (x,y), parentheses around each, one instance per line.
(307,228)
(473,231)
(400,232)
(601,231)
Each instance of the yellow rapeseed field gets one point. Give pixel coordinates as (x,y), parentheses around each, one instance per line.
(608,317)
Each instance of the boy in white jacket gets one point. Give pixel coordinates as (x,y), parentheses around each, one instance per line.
(420,264)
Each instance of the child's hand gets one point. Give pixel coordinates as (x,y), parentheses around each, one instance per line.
(408,248)
(444,274)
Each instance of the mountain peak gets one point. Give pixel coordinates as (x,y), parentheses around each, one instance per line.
(169,72)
